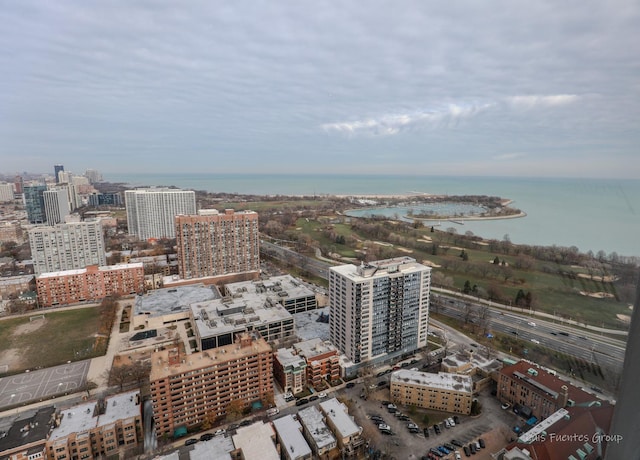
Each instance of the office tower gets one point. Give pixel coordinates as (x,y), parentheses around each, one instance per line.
(187,389)
(212,244)
(93,175)
(56,205)
(6,192)
(626,423)
(66,246)
(57,169)
(379,310)
(34,203)
(151,212)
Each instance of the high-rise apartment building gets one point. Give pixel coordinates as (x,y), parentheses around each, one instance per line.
(6,192)
(56,171)
(56,205)
(67,246)
(213,243)
(93,175)
(34,203)
(379,310)
(186,389)
(151,212)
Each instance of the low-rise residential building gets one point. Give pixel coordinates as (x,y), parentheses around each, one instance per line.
(25,435)
(288,291)
(347,432)
(293,446)
(90,283)
(316,432)
(11,231)
(101,429)
(535,392)
(442,391)
(323,361)
(186,389)
(218,321)
(16,285)
(257,441)
(289,370)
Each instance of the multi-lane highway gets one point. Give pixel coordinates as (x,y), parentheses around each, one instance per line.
(599,349)
(607,352)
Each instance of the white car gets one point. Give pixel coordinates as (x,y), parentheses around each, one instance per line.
(220,432)
(451,421)
(273,411)
(536,341)
(532,324)
(322,395)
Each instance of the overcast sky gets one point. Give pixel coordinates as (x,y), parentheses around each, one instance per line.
(535,88)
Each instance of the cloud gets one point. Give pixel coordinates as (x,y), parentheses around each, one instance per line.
(533,101)
(509,156)
(390,124)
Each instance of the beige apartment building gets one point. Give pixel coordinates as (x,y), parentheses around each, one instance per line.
(213,243)
(91,283)
(442,392)
(187,388)
(107,428)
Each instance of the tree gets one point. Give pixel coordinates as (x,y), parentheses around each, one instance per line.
(208,421)
(496,261)
(235,410)
(476,407)
(467,287)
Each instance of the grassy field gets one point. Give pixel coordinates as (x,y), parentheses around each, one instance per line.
(62,336)
(554,287)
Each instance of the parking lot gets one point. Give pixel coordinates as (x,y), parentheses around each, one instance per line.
(493,425)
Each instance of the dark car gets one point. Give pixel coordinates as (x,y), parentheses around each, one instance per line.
(426,431)
(455,442)
(435,452)
(206,437)
(382,384)
(436,429)
(246,422)
(314,398)
(301,402)
(566,334)
(190,442)
(351,385)
(553,333)
(467,452)
(481,442)
(449,446)
(456,419)
(472,447)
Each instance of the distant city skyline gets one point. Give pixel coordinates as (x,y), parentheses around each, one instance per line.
(542,89)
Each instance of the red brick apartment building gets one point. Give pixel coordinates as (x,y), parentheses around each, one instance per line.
(186,388)
(323,361)
(91,283)
(535,392)
(214,244)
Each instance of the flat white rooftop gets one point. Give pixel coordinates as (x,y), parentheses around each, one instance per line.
(218,448)
(80,418)
(290,432)
(441,380)
(276,286)
(161,302)
(380,269)
(312,419)
(256,441)
(80,271)
(337,413)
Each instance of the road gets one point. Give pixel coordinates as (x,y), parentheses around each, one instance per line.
(607,352)
(589,346)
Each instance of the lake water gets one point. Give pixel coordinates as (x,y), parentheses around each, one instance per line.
(591,214)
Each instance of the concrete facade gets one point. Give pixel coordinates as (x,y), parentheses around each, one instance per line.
(379,310)
(67,246)
(151,212)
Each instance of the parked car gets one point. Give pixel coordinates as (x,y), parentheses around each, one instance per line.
(351,385)
(190,442)
(456,419)
(220,432)
(458,457)
(314,398)
(451,421)
(246,422)
(472,448)
(482,443)
(467,451)
(426,431)
(446,423)
(505,406)
(457,443)
(436,429)
(444,450)
(449,446)
(322,395)
(301,402)
(206,437)
(273,411)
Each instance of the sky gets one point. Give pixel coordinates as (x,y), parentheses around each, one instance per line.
(496,88)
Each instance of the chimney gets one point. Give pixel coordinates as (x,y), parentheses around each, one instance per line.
(563,397)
